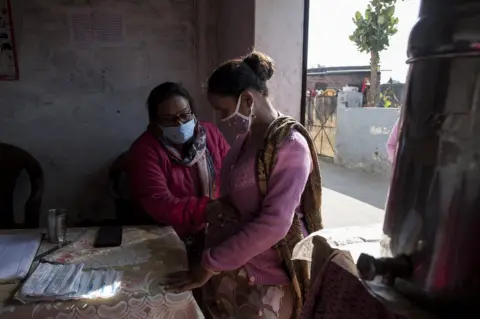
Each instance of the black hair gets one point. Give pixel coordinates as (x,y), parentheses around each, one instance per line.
(163,92)
(236,75)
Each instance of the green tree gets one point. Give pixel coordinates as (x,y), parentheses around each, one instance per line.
(372,33)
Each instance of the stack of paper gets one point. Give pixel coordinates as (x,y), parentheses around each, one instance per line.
(17,252)
(66,281)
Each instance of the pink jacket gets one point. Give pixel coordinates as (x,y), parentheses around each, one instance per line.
(169,192)
(393,142)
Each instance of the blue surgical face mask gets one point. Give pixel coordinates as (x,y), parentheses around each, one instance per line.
(179,134)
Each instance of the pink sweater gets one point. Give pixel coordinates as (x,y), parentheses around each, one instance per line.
(392,142)
(265,220)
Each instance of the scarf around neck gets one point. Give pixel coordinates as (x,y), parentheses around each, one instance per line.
(298,270)
(194,152)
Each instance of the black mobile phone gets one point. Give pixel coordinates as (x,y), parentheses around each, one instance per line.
(108,236)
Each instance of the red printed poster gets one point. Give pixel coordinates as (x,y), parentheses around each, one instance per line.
(8,56)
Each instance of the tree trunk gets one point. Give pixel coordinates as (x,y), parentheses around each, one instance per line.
(373,92)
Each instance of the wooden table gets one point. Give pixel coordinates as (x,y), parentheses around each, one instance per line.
(146,256)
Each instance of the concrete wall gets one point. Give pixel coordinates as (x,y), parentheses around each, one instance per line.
(279,33)
(361,138)
(206,50)
(78,106)
(337,81)
(235,31)
(235,37)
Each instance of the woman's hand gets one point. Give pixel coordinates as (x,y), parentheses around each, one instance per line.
(220,212)
(185,281)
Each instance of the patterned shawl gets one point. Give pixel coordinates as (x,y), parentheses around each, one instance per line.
(195,152)
(298,270)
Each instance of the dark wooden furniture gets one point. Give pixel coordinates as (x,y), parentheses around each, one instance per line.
(118,185)
(13,160)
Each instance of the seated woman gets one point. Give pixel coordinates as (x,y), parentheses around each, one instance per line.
(271,176)
(174,165)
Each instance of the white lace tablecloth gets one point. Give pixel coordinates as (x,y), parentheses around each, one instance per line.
(146,256)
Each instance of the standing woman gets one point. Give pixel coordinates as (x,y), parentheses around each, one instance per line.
(174,166)
(271,177)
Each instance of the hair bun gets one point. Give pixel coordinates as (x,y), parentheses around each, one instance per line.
(261,64)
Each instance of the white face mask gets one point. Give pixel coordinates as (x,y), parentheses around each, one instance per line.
(239,122)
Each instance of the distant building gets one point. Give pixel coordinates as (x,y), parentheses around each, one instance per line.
(337,77)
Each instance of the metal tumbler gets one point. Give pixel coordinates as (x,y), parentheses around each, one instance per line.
(57,225)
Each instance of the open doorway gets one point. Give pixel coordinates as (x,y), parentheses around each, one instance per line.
(353,98)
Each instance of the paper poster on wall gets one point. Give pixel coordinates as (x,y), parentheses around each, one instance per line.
(8,56)
(96,28)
